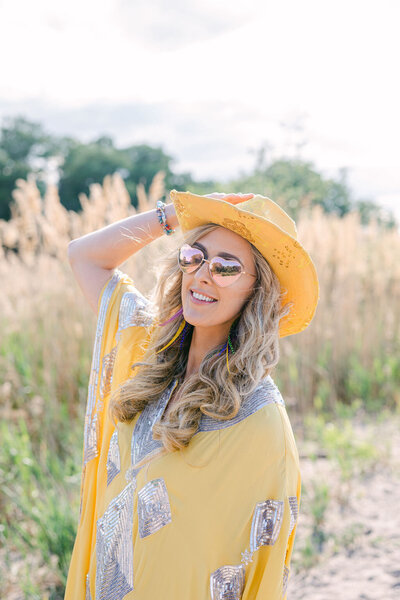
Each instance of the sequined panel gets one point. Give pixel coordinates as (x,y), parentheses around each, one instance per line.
(154,510)
(266,393)
(88,595)
(227,583)
(133,311)
(113,458)
(107,372)
(266,523)
(247,557)
(90,433)
(114,548)
(273,391)
(294,512)
(142,438)
(285,580)
(131,474)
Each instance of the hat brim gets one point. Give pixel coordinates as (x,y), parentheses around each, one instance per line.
(288,259)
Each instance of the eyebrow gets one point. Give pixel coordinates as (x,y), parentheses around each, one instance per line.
(222,254)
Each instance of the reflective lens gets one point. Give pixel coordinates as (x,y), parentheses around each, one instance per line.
(223,271)
(190,258)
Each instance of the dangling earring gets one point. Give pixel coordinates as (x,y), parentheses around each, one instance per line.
(228,345)
(185,330)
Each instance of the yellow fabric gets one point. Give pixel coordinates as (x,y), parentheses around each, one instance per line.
(213,487)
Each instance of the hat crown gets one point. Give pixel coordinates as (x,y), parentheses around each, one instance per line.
(264,207)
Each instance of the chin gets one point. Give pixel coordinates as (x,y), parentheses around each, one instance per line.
(194,319)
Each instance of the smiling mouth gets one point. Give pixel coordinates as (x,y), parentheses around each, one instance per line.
(202,301)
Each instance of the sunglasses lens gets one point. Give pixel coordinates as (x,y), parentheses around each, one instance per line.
(224,271)
(189,258)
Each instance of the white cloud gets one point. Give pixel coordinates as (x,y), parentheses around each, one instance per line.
(178,23)
(212,80)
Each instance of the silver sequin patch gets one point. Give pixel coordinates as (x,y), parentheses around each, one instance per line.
(113,458)
(154,511)
(114,548)
(91,436)
(265,527)
(142,439)
(88,595)
(285,580)
(227,583)
(265,393)
(294,512)
(134,311)
(91,428)
(266,523)
(107,372)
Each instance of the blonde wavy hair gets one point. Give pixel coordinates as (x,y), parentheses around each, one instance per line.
(212,391)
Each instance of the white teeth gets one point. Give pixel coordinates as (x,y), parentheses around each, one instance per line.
(200,297)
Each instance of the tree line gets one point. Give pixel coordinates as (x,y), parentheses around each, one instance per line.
(295,184)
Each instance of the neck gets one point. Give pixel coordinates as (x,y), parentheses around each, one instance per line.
(205,339)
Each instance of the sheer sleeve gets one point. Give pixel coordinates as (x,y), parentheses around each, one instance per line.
(121,305)
(123,322)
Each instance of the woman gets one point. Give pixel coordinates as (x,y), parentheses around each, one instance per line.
(191,483)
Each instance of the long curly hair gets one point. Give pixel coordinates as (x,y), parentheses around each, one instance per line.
(213,390)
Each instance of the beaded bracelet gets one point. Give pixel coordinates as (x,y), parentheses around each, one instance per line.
(160,207)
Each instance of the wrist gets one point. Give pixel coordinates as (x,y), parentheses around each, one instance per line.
(170,214)
(162,218)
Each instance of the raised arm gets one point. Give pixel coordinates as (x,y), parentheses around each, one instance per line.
(94,256)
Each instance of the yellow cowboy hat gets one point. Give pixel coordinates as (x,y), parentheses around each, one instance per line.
(270,229)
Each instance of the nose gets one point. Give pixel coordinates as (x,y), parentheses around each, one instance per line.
(203,273)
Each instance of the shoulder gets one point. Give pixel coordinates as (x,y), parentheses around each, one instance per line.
(271,429)
(256,437)
(122,297)
(266,426)
(135,309)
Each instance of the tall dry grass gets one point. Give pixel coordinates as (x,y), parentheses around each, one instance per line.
(351,349)
(352,339)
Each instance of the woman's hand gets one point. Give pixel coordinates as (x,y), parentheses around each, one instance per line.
(232,198)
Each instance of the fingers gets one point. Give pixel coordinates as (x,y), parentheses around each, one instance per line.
(231,195)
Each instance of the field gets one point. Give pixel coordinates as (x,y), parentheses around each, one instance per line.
(340,380)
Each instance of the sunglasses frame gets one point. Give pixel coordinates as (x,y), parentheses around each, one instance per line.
(208,260)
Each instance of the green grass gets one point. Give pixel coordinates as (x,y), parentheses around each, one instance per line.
(316,497)
(39,497)
(341,444)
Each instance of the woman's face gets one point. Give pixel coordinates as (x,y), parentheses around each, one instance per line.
(230,299)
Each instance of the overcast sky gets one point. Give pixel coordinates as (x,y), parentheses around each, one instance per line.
(211,80)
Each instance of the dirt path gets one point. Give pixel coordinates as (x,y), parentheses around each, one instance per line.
(365,564)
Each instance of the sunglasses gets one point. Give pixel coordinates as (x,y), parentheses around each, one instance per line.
(224,271)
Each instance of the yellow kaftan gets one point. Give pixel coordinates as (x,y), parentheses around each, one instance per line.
(214,521)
